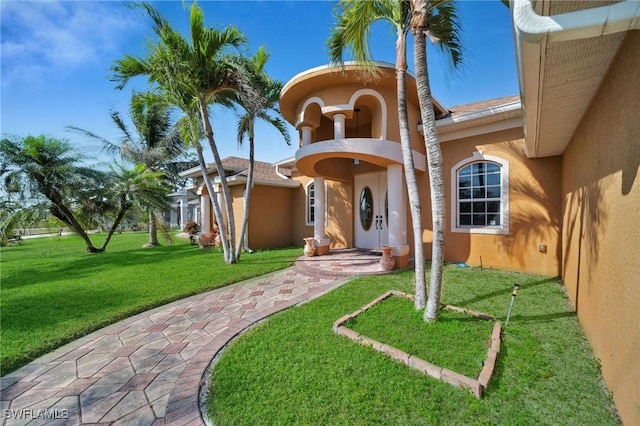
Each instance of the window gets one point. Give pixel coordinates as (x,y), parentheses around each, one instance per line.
(310,206)
(311,199)
(480,195)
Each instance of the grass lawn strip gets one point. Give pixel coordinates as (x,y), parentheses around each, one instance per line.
(53,292)
(476,386)
(293,369)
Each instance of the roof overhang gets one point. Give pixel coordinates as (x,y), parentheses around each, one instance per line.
(241,180)
(563,52)
(488,120)
(237,179)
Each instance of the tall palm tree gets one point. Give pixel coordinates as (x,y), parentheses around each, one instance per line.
(155,143)
(267,111)
(354,21)
(194,74)
(438,20)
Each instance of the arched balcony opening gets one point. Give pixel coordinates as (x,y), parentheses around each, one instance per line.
(366,119)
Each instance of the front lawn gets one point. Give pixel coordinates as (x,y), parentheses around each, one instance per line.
(292,369)
(52,291)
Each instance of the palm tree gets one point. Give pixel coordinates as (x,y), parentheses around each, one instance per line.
(50,167)
(156,144)
(193,75)
(355,18)
(438,20)
(138,185)
(269,90)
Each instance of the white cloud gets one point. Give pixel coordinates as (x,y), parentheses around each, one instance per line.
(41,37)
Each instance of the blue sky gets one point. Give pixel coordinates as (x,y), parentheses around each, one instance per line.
(56,58)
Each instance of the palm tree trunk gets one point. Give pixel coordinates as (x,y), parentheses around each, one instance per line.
(217,211)
(410,172)
(230,254)
(247,197)
(67,217)
(153,230)
(123,209)
(419,24)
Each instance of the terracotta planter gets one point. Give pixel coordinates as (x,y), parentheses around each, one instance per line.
(387,263)
(309,248)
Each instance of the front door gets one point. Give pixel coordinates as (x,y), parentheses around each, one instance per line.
(370,212)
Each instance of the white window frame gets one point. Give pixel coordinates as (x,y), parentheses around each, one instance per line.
(309,203)
(503,228)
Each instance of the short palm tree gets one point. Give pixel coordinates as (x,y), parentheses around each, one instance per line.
(50,166)
(267,111)
(155,143)
(193,75)
(138,185)
(438,20)
(354,21)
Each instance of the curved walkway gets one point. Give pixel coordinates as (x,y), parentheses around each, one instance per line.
(147,369)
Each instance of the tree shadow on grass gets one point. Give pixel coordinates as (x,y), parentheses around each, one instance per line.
(502,292)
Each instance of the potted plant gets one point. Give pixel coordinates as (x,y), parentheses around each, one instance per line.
(192,228)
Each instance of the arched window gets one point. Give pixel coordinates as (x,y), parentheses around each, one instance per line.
(310,204)
(480,195)
(311,199)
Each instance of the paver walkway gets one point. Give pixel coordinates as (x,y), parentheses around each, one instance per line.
(148,369)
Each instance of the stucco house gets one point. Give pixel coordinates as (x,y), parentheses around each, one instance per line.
(545,181)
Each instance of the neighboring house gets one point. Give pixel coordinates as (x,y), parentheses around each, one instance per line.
(547,185)
(271,199)
(184,208)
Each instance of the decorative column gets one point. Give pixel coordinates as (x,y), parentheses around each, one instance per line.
(306,135)
(173,215)
(338,126)
(205,214)
(321,242)
(397,226)
(184,211)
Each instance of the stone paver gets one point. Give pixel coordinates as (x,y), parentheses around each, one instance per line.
(148,369)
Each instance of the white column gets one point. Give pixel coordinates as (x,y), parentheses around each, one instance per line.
(205,214)
(184,212)
(320,240)
(306,135)
(397,209)
(173,215)
(338,126)
(318,208)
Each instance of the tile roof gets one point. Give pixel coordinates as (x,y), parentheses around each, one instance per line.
(482,105)
(261,170)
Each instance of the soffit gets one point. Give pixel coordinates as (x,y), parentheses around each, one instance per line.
(571,73)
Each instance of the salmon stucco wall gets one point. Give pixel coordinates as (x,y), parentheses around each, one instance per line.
(339,219)
(299,228)
(339,226)
(270,217)
(534,208)
(601,227)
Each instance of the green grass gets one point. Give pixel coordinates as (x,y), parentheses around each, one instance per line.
(292,369)
(395,322)
(52,291)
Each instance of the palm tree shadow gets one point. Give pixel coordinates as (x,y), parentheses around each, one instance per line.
(503,291)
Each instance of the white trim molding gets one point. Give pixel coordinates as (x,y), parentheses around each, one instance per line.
(503,228)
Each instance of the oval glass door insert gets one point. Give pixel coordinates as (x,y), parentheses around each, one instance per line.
(366,208)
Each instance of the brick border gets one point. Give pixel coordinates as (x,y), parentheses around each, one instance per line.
(476,386)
